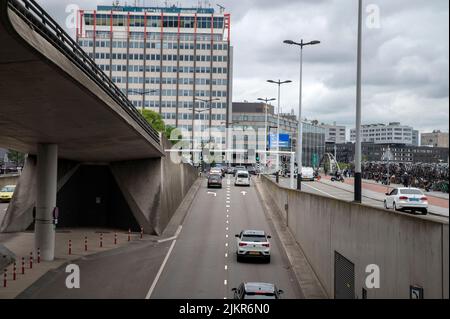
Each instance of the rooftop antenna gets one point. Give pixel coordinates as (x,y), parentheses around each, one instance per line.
(222,8)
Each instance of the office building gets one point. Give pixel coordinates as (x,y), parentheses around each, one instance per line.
(435,139)
(393,133)
(165,59)
(334,133)
(248,116)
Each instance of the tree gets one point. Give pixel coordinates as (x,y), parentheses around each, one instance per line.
(16,157)
(155,120)
(315,122)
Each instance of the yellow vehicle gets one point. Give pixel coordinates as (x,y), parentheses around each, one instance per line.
(6,193)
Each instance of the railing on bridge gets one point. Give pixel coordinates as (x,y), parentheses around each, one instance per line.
(44,24)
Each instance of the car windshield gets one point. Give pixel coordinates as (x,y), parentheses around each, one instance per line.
(7,189)
(251,295)
(242,175)
(254,238)
(411,192)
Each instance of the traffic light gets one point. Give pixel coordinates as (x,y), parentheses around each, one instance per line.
(257,157)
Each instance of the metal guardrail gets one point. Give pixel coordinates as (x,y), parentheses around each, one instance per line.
(44,24)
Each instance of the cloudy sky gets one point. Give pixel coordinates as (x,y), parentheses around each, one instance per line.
(405,62)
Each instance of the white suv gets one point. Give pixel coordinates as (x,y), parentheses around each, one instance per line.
(407,198)
(254,244)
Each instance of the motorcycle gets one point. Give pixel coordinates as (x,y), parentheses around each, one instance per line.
(338,178)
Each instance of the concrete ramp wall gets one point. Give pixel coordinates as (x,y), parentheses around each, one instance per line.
(409,250)
(8,180)
(127,194)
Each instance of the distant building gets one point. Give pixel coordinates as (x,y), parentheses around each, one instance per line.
(435,139)
(402,153)
(334,133)
(416,138)
(393,133)
(246,115)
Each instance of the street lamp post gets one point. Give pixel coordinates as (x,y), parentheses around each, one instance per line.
(266,101)
(358,177)
(143,94)
(300,124)
(208,103)
(279,83)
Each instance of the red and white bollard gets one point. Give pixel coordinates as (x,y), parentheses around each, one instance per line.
(70,247)
(142,232)
(85,243)
(129,234)
(101,240)
(39,255)
(23,265)
(31,260)
(14,272)
(5,277)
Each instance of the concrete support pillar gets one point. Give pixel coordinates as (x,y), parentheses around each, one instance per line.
(44,229)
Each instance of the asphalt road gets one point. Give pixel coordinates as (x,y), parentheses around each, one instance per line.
(203,261)
(199,263)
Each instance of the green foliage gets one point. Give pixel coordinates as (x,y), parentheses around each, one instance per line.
(16,157)
(155,120)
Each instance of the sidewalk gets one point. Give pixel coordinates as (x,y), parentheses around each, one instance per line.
(22,244)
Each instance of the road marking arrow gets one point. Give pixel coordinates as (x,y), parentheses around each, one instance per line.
(244,193)
(212,193)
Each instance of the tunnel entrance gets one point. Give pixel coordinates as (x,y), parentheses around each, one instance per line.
(92,198)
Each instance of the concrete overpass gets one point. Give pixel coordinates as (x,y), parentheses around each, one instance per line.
(81,132)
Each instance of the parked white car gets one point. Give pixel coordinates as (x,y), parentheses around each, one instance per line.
(253,244)
(403,198)
(242,178)
(307,174)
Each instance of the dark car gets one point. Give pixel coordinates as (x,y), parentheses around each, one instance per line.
(252,170)
(229,170)
(256,290)
(214,181)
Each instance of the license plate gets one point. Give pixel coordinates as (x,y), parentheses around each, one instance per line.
(413,199)
(253,253)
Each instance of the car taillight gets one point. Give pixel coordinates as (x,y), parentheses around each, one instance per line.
(424,199)
(403,198)
(242,244)
(266,245)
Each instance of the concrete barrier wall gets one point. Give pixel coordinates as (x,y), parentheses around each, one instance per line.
(8,180)
(409,250)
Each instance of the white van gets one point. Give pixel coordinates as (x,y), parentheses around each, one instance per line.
(307,174)
(242,178)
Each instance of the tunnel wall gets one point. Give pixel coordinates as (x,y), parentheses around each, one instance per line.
(409,250)
(133,194)
(154,188)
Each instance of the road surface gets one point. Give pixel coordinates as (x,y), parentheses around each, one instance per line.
(199,263)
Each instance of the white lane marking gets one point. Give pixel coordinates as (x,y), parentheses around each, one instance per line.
(226,244)
(173,237)
(226,255)
(225,282)
(228,206)
(212,193)
(228,216)
(226,228)
(228,222)
(226,267)
(155,281)
(226,236)
(319,190)
(228,202)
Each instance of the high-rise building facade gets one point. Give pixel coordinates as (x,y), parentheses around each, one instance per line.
(393,133)
(165,59)
(435,139)
(335,133)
